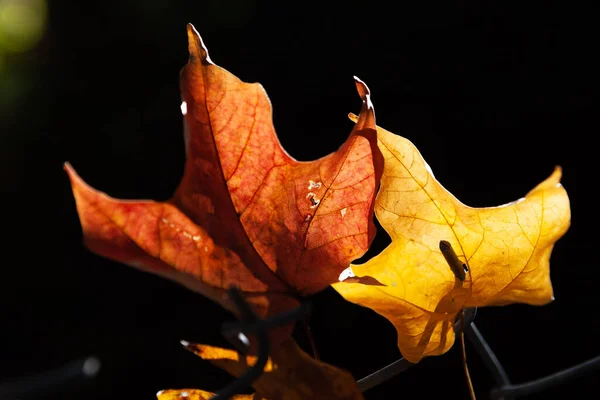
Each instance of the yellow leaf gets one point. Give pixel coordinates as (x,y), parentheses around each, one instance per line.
(196,394)
(290,373)
(506,248)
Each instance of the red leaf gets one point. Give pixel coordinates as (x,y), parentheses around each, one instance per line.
(245,213)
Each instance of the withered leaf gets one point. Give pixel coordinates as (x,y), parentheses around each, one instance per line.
(197,394)
(289,374)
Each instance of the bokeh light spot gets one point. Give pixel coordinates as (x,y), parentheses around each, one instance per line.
(22,24)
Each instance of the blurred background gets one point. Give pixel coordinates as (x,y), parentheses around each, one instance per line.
(493,95)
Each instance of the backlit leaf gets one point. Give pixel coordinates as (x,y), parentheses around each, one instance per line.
(290,373)
(506,248)
(245,214)
(196,394)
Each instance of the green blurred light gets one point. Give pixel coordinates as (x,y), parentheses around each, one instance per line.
(22,24)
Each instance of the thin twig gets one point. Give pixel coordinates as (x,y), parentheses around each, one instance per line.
(527,388)
(254,372)
(230,329)
(464,357)
(401,365)
(487,354)
(384,374)
(251,324)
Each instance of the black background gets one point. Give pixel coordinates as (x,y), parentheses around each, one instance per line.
(493,95)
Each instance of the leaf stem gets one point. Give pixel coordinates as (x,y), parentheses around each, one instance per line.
(487,354)
(464,357)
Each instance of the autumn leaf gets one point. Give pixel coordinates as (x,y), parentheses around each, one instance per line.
(506,250)
(290,374)
(246,213)
(196,394)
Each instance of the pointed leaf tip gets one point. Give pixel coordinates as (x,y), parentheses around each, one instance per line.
(189,346)
(556,176)
(73,176)
(77,184)
(366,118)
(363,89)
(557,173)
(553,181)
(196,47)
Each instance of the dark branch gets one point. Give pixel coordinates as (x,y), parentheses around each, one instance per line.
(384,374)
(487,354)
(248,317)
(389,371)
(250,323)
(527,388)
